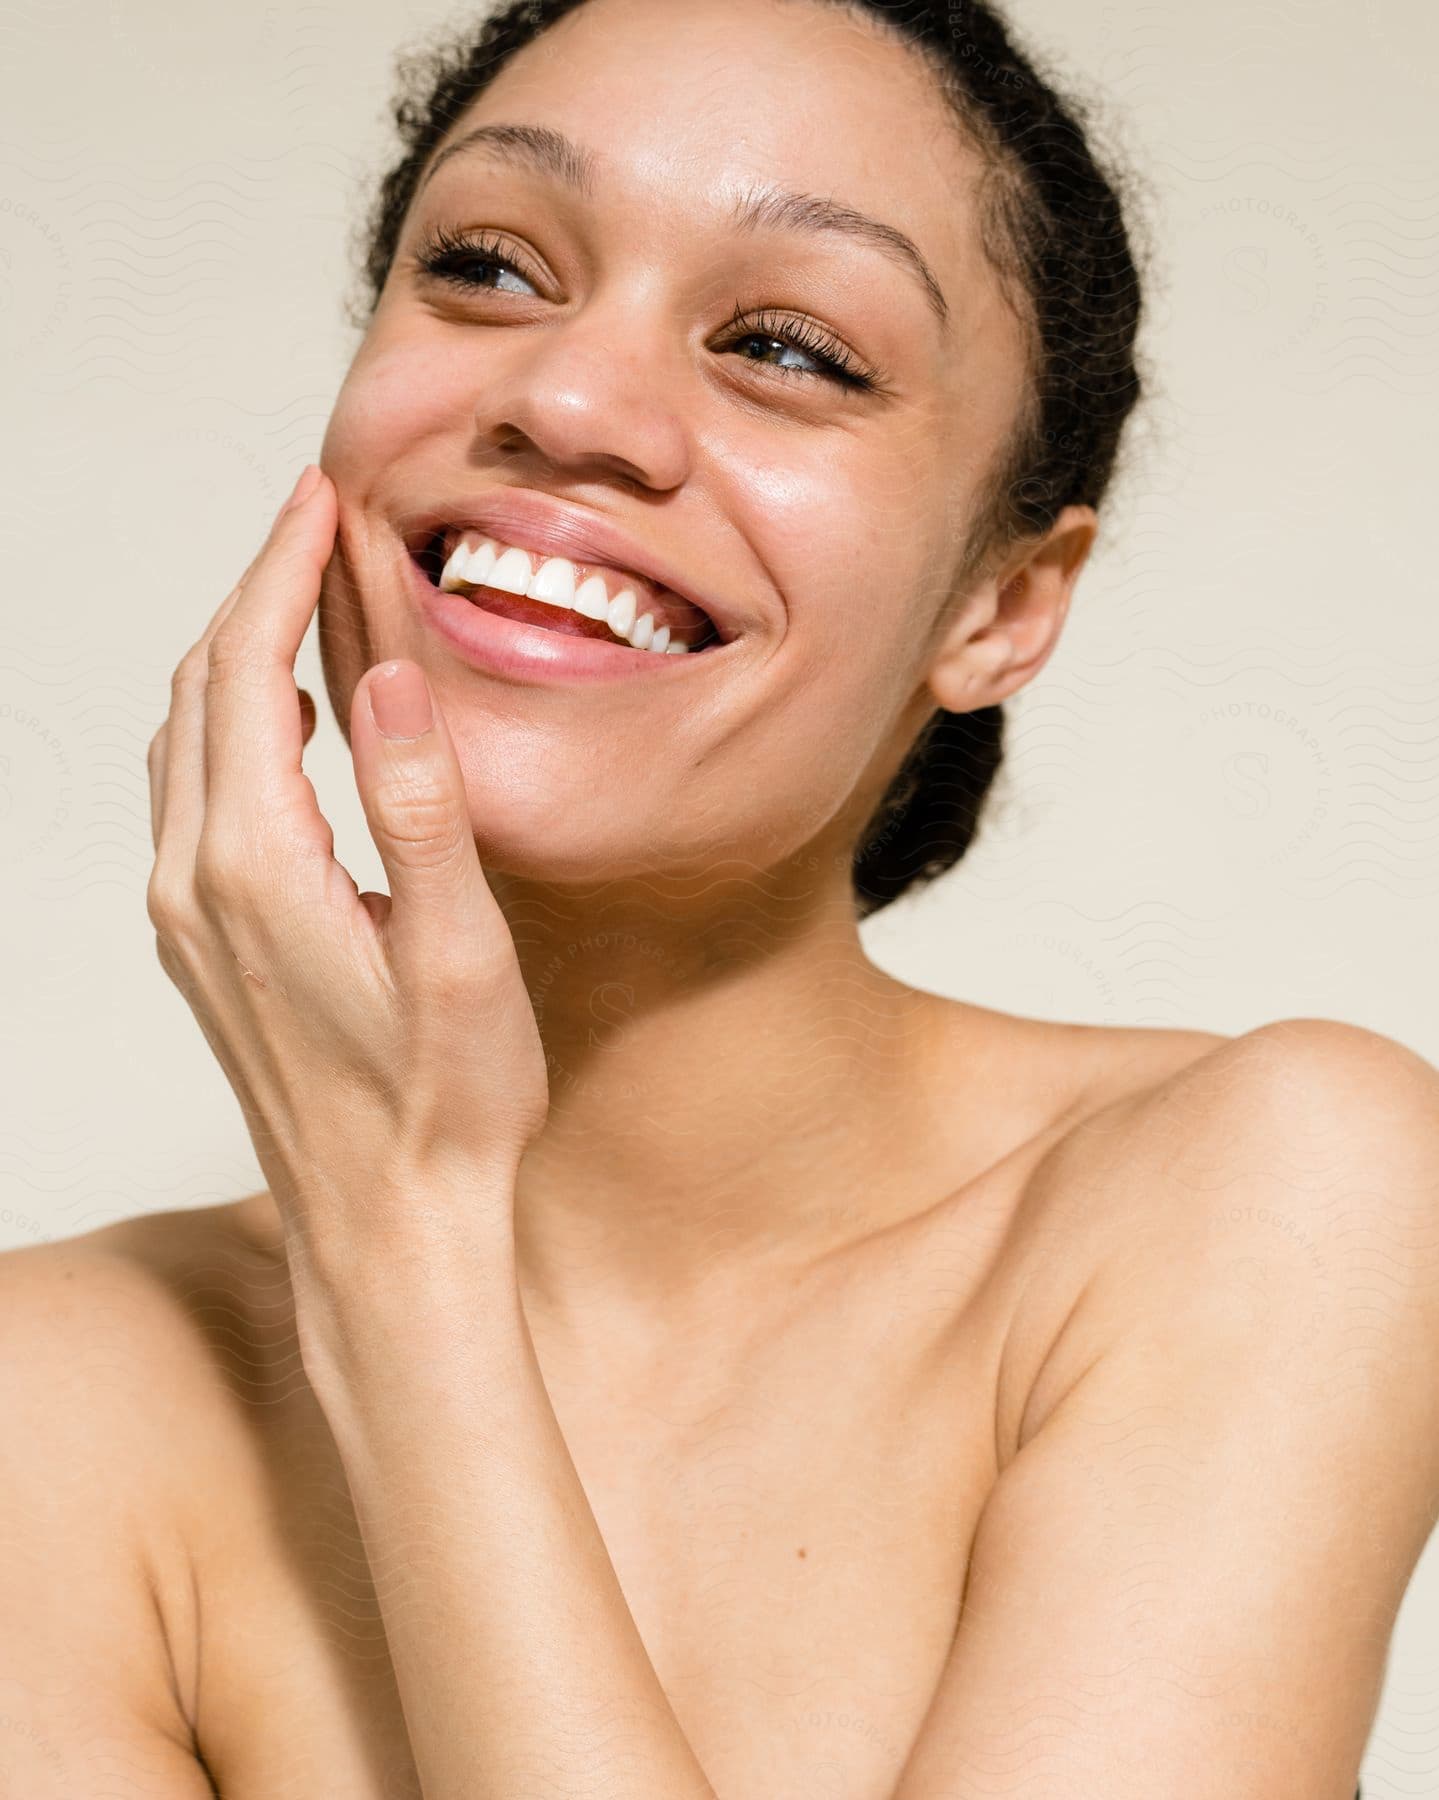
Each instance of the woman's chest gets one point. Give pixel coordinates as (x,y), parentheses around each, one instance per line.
(790,1532)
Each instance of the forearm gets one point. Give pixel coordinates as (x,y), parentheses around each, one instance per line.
(518,1662)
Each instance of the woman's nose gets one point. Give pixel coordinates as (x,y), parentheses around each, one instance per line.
(601,391)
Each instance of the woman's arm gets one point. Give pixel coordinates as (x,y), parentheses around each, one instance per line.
(519,1665)
(96,1689)
(1184,1584)
(385,1052)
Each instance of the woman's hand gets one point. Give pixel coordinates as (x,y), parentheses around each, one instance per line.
(383,1049)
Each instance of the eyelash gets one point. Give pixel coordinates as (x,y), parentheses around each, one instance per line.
(444,255)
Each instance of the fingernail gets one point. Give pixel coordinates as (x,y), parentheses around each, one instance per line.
(400,700)
(309,480)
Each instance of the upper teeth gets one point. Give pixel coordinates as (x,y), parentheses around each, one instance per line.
(478,561)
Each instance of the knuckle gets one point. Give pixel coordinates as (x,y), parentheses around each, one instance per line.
(222,863)
(448,974)
(160,909)
(166,906)
(231,651)
(418,818)
(190,673)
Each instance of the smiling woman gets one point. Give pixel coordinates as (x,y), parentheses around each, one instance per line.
(1011,401)
(671,1356)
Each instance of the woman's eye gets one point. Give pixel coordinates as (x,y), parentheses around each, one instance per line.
(464,261)
(798,337)
(775,343)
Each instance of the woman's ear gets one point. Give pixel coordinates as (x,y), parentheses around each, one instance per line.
(1004,633)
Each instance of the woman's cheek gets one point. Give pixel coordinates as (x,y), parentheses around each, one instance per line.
(349,447)
(393,395)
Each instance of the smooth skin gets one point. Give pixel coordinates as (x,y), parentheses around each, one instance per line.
(671,1356)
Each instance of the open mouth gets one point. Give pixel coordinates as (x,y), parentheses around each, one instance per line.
(556,594)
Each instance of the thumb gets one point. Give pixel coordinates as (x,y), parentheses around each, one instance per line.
(413,793)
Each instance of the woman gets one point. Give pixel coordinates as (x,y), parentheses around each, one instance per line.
(672,1357)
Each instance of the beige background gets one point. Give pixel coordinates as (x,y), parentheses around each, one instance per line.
(1221,801)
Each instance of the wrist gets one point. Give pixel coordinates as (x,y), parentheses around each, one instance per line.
(419,1238)
(375,1319)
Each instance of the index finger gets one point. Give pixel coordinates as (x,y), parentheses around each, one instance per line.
(177,751)
(226,606)
(253,728)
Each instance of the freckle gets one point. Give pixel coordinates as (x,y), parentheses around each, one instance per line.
(802,1551)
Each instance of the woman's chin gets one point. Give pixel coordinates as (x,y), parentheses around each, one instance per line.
(523,855)
(624,860)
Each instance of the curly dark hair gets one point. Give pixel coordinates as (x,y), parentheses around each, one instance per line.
(1053,225)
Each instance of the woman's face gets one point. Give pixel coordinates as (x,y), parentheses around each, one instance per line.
(606,370)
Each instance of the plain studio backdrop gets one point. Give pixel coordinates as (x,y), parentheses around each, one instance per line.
(1220,801)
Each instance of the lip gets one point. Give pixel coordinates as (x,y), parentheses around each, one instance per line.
(538,522)
(532,654)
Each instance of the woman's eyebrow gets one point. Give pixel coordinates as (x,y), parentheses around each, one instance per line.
(772,207)
(538,147)
(550,152)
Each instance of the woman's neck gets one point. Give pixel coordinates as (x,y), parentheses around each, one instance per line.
(733,1084)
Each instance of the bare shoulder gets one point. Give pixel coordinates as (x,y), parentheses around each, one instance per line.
(104,1403)
(1277,1102)
(1228,1467)
(1292,1170)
